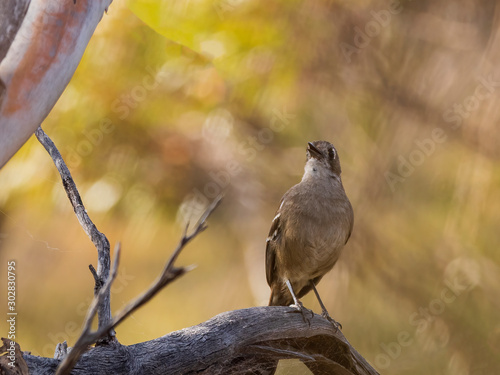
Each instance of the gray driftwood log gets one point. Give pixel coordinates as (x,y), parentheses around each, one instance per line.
(248,341)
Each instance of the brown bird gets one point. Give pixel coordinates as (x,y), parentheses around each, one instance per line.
(311,226)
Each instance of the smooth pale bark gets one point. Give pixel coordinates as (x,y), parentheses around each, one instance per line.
(40,60)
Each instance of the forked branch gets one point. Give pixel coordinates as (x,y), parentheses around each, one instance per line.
(170,273)
(101,304)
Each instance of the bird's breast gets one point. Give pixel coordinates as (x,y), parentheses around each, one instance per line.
(315,223)
(313,242)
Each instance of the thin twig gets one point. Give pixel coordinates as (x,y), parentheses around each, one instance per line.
(98,239)
(88,337)
(169,274)
(94,273)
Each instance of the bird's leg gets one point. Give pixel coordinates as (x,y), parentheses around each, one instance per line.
(298,305)
(324,312)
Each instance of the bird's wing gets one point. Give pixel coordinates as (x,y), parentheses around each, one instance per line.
(271,242)
(352,224)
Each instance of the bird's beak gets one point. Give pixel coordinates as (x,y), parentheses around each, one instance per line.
(313,151)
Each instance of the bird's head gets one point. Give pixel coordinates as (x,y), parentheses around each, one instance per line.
(322,158)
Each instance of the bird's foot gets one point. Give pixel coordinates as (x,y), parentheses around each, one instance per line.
(299,307)
(327,316)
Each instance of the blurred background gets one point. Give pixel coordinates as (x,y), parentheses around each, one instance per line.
(175,102)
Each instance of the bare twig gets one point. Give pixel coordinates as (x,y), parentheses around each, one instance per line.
(94,273)
(98,239)
(170,273)
(87,336)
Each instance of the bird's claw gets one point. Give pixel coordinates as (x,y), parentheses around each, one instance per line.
(301,309)
(327,316)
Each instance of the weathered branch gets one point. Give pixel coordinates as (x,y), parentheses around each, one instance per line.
(99,240)
(170,273)
(243,341)
(101,302)
(88,337)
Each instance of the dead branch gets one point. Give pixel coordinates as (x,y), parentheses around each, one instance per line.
(170,271)
(169,274)
(103,280)
(244,341)
(99,240)
(88,337)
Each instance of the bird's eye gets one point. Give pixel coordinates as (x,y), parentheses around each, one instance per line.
(331,153)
